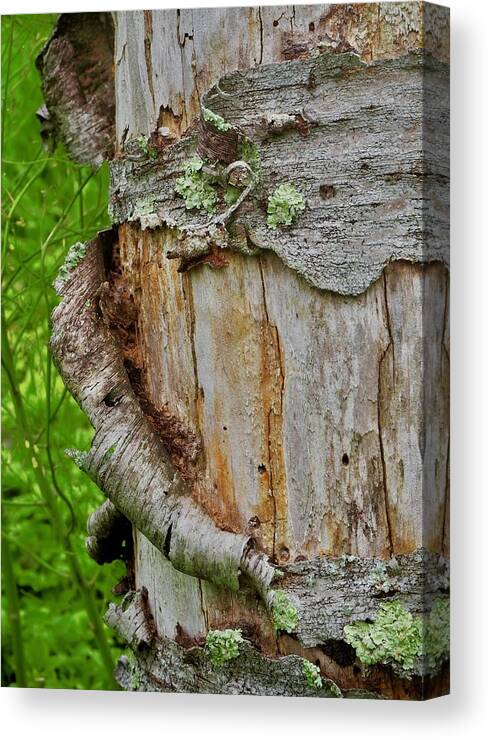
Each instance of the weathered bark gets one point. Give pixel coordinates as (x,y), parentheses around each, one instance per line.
(284,418)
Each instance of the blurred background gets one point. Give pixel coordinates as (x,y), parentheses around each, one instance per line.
(53,595)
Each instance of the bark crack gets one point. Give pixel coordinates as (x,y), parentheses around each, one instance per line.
(127,459)
(390,346)
(272,411)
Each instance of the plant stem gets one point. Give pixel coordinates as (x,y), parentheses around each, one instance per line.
(14,618)
(51,501)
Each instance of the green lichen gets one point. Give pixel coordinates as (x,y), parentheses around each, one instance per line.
(436,635)
(248,152)
(215,120)
(223,646)
(284,205)
(284,613)
(146,147)
(312,674)
(231,195)
(78,457)
(394,637)
(334,690)
(195,186)
(406,642)
(75,255)
(134,672)
(108,454)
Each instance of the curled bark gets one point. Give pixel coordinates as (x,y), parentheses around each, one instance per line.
(108,534)
(164,665)
(366,145)
(127,459)
(76,67)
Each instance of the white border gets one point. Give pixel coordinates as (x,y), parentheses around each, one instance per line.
(57,714)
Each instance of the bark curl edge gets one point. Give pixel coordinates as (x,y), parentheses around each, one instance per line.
(127,459)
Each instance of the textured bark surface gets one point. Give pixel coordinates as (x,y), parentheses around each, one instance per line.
(164,665)
(350,136)
(127,459)
(77,71)
(254,414)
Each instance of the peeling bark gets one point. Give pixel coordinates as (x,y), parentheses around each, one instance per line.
(126,459)
(164,665)
(76,67)
(365,140)
(260,432)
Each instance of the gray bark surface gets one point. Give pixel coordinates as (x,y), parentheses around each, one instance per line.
(350,136)
(278,401)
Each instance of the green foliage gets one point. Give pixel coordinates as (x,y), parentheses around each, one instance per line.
(195,186)
(54,596)
(284,205)
(436,634)
(223,646)
(393,637)
(284,613)
(216,120)
(312,674)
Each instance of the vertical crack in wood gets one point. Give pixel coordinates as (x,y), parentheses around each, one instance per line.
(390,346)
(127,459)
(148,40)
(271,452)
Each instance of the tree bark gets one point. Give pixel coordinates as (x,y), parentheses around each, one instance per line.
(271,405)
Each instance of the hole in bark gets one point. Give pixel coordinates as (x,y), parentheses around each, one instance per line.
(311,27)
(345,459)
(225,429)
(339,651)
(113,397)
(284,553)
(327,191)
(166,546)
(262,468)
(275,24)
(254,522)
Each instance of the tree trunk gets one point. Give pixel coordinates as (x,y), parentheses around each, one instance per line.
(270,404)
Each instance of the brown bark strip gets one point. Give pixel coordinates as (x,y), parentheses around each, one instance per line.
(76,67)
(127,459)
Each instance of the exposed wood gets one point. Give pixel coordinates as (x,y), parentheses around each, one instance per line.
(355,129)
(127,459)
(294,406)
